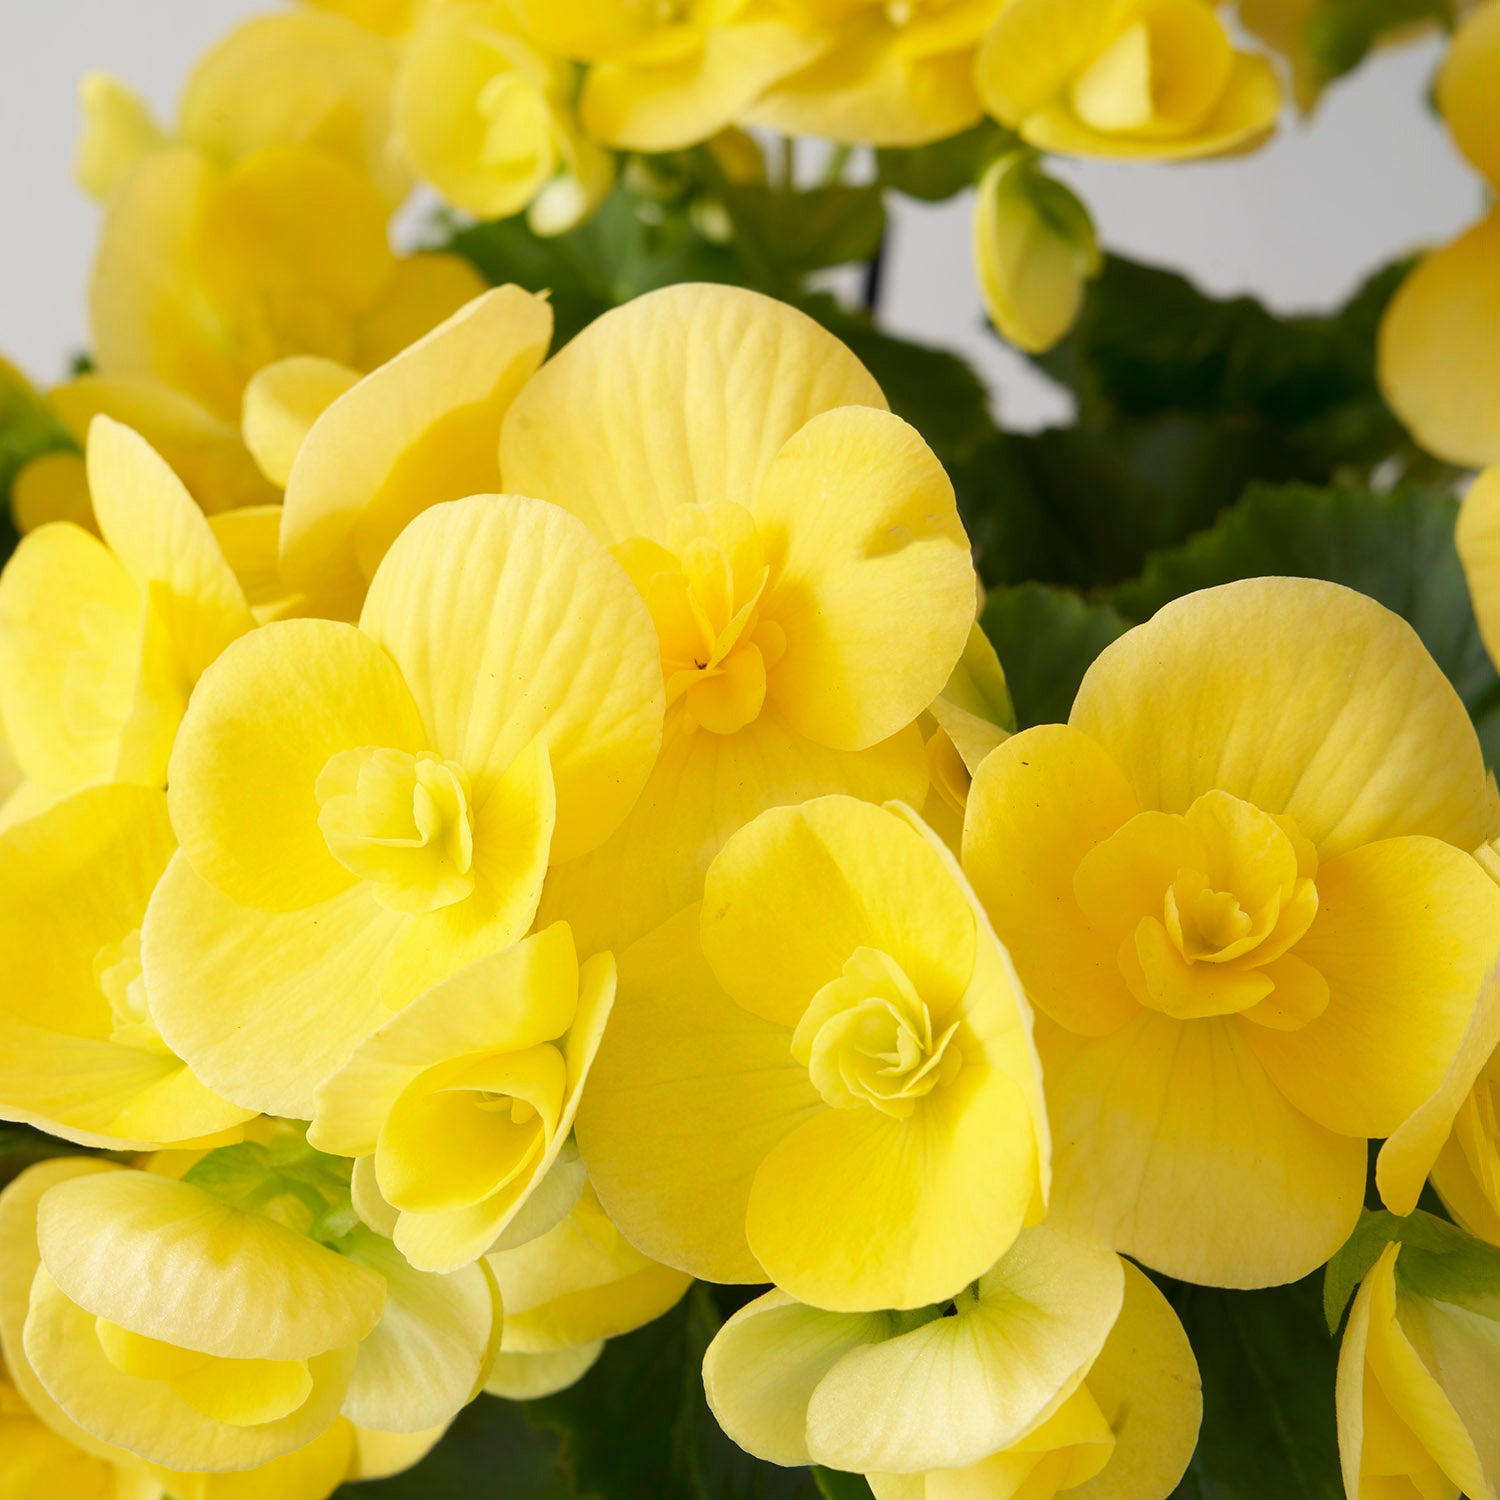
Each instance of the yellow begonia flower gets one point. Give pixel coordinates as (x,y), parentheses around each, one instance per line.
(1154,79)
(1061,1369)
(849,1106)
(567,1291)
(666,76)
(79,1053)
(419,430)
(801,553)
(1224,881)
(102,641)
(487,119)
(1418,1391)
(894,73)
(1034,250)
(365,811)
(460,1103)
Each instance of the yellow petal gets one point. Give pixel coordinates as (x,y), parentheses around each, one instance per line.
(265,720)
(514,1000)
(54,487)
(1167,1124)
(683,396)
(1478,538)
(1300,696)
(248,538)
(688,1094)
(1396,919)
(580,1283)
(149,1417)
(1039,803)
(509,621)
(118,131)
(527,1377)
(1146,1384)
(702,788)
(1439,368)
(300,78)
(874,882)
(959,1388)
(874,588)
(429,1351)
(1466,87)
(423,291)
(244,1287)
(282,402)
(664,107)
(263,1006)
(1033,50)
(72,625)
(419,430)
(310,1473)
(379,1454)
(765,1365)
(855,1210)
(1460,1344)
(162,538)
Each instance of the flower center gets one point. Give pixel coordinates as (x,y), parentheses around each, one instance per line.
(1160,74)
(117,972)
(467,1129)
(401,822)
(868,1038)
(705,589)
(1206,907)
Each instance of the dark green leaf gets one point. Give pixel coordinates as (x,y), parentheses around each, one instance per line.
(789,233)
(834,1484)
(1396,548)
(22,1147)
(1339,34)
(1046,638)
(946,167)
(1268,1368)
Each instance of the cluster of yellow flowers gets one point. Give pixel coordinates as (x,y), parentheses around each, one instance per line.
(495,837)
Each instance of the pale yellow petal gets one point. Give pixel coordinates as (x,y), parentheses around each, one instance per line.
(527,1377)
(282,401)
(509,621)
(682,396)
(419,430)
(1466,89)
(1300,696)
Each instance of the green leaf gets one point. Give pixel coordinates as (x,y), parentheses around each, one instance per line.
(787,233)
(1268,1366)
(834,1484)
(946,167)
(1339,34)
(28,429)
(1397,548)
(22,1147)
(1046,638)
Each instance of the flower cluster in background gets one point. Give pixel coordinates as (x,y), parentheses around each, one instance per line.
(542,780)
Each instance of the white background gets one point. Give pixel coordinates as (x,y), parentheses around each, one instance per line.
(1300,223)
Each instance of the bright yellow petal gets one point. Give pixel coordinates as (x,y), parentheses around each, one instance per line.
(301,78)
(874,882)
(429,1352)
(419,430)
(855,1210)
(1032,51)
(248,539)
(702,788)
(527,1377)
(682,396)
(244,1287)
(516,999)
(1147,1386)
(1466,89)
(509,621)
(1172,1144)
(53,487)
(1038,804)
(665,106)
(580,1283)
(149,1417)
(765,1364)
(1439,366)
(282,401)
(688,1094)
(164,541)
(959,1388)
(264,722)
(1300,696)
(1478,540)
(310,1473)
(424,290)
(263,1006)
(1406,931)
(874,588)
(71,631)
